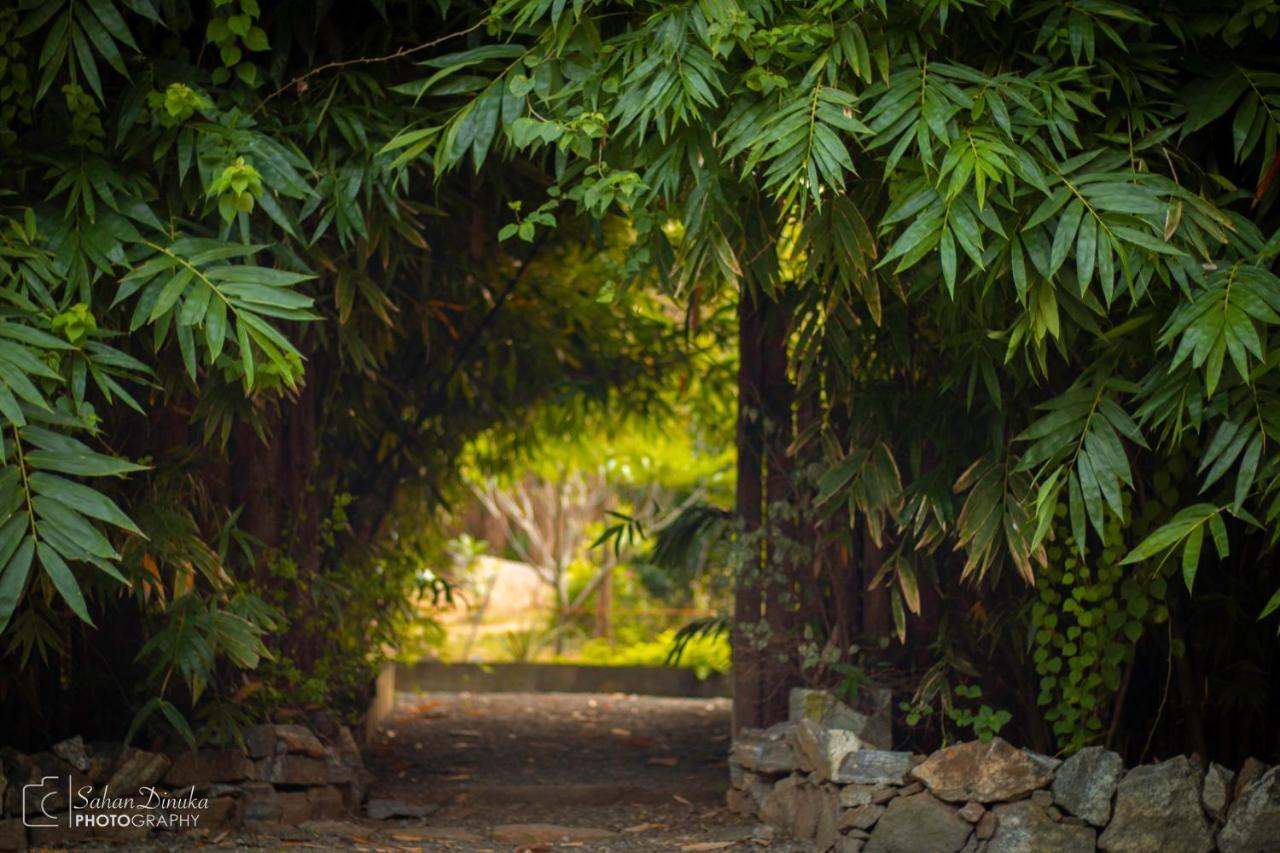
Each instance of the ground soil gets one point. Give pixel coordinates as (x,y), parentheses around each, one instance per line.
(649,771)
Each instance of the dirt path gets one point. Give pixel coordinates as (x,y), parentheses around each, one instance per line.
(648,771)
(534,773)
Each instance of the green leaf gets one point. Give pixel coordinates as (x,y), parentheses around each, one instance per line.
(83,499)
(1191,556)
(63,580)
(15,565)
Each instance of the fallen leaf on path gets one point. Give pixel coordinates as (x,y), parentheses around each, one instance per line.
(464,733)
(666,761)
(708,845)
(458,777)
(680,799)
(621,732)
(645,827)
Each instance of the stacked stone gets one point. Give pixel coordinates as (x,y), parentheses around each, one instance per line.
(284,774)
(813,780)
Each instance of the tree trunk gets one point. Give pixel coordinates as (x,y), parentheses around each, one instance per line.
(750,505)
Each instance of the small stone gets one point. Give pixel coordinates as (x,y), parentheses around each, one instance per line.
(1025,827)
(1216,792)
(884,795)
(1253,823)
(259,803)
(379,809)
(208,766)
(1086,783)
(288,769)
(1158,810)
(821,750)
(13,835)
(860,834)
(986,827)
(260,740)
(326,803)
(848,844)
(908,790)
(763,832)
(298,739)
(73,752)
(295,808)
(916,823)
(137,769)
(874,767)
(972,812)
(852,796)
(874,727)
(545,833)
(740,802)
(222,813)
(765,750)
(1043,799)
(987,772)
(1251,771)
(863,817)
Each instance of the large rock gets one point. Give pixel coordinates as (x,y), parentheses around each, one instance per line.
(209,766)
(1158,811)
(872,722)
(1025,827)
(782,803)
(820,750)
(765,750)
(1215,794)
(987,772)
(918,823)
(73,752)
(1253,823)
(874,767)
(1086,782)
(136,769)
(827,830)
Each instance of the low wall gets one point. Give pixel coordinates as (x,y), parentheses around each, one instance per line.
(430,676)
(817,782)
(78,792)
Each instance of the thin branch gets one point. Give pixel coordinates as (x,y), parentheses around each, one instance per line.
(369,60)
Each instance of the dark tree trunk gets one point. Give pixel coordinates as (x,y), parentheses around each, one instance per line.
(747,687)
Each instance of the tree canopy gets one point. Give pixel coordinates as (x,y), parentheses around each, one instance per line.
(1004,273)
(1023,254)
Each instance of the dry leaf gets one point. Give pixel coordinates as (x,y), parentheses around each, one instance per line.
(645,827)
(667,761)
(680,799)
(458,777)
(708,845)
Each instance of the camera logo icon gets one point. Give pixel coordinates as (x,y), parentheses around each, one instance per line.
(37,810)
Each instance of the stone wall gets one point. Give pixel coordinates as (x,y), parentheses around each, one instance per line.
(812,780)
(284,774)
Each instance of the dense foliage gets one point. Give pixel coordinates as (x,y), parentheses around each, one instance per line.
(1021,256)
(242,350)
